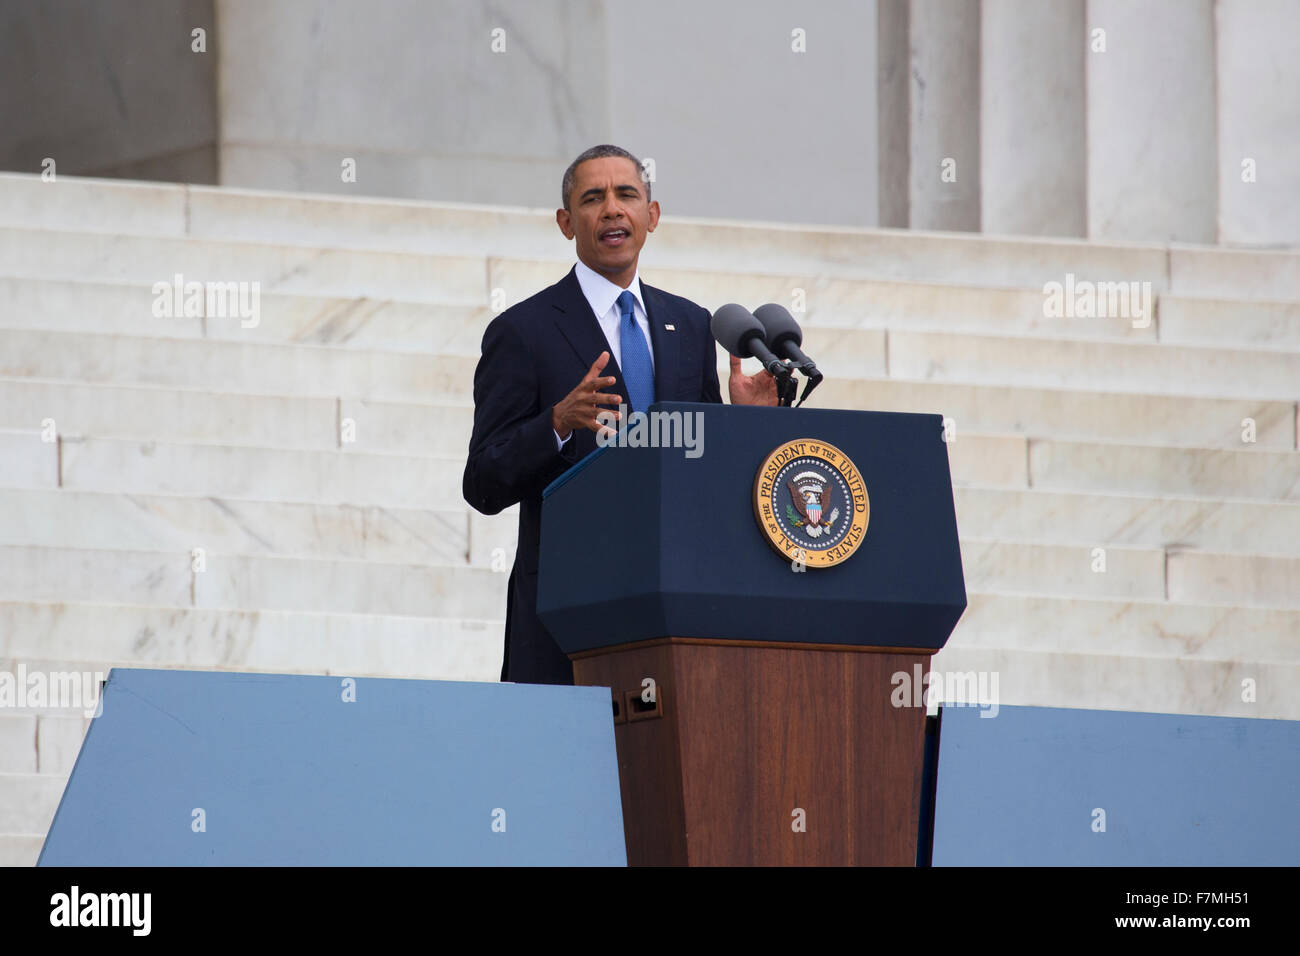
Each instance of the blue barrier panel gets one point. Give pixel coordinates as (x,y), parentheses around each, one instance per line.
(207,768)
(1023,788)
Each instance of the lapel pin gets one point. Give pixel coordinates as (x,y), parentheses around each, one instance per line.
(671,328)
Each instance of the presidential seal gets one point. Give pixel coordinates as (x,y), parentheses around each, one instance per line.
(811,503)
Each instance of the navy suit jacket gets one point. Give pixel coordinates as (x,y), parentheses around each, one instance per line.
(534,354)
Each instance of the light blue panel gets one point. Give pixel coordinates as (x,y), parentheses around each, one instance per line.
(289,774)
(1019,789)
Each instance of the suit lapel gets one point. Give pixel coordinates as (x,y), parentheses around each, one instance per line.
(579,327)
(665,343)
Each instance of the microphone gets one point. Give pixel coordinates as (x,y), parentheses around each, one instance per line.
(784,336)
(741,334)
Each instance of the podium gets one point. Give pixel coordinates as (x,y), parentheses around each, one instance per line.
(760,600)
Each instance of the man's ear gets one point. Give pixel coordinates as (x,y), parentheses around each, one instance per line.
(565,222)
(654,215)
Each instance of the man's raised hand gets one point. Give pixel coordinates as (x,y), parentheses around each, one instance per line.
(756,389)
(578,408)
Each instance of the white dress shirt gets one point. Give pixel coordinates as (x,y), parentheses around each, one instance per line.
(602,295)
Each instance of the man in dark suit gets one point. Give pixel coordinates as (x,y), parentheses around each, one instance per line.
(596,339)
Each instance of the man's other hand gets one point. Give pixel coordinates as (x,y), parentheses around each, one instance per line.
(756,389)
(578,408)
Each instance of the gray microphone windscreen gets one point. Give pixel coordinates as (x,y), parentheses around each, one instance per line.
(734,326)
(778,324)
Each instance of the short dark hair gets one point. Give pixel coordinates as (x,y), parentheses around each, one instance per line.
(599,152)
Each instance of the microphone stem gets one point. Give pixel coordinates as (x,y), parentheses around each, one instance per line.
(786,386)
(812,380)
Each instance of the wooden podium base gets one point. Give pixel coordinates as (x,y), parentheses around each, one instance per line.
(754,753)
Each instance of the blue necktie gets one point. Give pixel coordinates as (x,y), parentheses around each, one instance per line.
(638,372)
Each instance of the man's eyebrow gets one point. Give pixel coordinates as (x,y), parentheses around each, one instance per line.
(600,190)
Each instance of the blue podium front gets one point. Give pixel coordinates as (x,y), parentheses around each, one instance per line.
(188,768)
(1052,786)
(640,543)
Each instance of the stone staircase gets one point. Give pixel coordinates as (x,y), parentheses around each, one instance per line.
(360,557)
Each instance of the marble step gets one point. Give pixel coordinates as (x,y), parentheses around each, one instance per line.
(169,210)
(140,522)
(272,421)
(1123,628)
(1160,520)
(830,303)
(1066,414)
(1095,366)
(84,574)
(267,474)
(325,371)
(822,300)
(1216,273)
(1251,580)
(18,742)
(407,428)
(1125,469)
(1165,685)
(87,203)
(173,414)
(1230,324)
(1141,574)
(1152,470)
(147,413)
(439,228)
(442,228)
(302,371)
(250,582)
(20,850)
(290,642)
(356,587)
(103,308)
(28,802)
(40,743)
(28,461)
(1005,567)
(101,257)
(355,323)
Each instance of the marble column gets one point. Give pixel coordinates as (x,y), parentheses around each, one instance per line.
(434,99)
(929,108)
(944,185)
(109,89)
(756,110)
(893,77)
(1152,166)
(1258,76)
(1032,158)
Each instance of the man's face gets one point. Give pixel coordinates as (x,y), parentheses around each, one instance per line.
(609,216)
